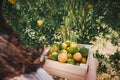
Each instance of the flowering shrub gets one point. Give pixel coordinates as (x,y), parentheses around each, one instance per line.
(109,68)
(37,22)
(104,47)
(108,56)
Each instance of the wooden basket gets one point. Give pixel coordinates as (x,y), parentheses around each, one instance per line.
(69,71)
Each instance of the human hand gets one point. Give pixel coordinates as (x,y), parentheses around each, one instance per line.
(92,68)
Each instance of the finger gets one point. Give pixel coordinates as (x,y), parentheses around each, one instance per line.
(92,61)
(45,51)
(96,63)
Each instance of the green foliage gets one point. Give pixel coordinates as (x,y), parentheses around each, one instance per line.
(110,63)
(102,64)
(84,51)
(114,60)
(23,16)
(74,20)
(110,9)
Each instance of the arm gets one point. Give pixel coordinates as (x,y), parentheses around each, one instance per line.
(92,68)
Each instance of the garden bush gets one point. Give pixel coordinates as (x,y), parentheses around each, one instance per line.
(44,22)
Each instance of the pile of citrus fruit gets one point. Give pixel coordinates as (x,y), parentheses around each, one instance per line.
(68,52)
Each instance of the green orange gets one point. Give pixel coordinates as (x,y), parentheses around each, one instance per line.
(54,48)
(77,63)
(63,45)
(68,43)
(73,44)
(71,61)
(72,49)
(54,56)
(89,5)
(70,55)
(63,51)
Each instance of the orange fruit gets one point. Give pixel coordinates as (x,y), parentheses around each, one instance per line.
(73,44)
(83,60)
(12,1)
(63,51)
(70,61)
(54,48)
(69,55)
(77,63)
(54,56)
(68,43)
(72,49)
(62,57)
(39,22)
(77,56)
(89,5)
(63,45)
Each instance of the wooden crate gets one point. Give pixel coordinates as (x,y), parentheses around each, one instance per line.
(69,71)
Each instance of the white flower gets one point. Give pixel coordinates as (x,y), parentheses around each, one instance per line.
(108,36)
(118,48)
(105,76)
(104,47)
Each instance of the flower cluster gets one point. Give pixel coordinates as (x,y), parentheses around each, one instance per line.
(104,47)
